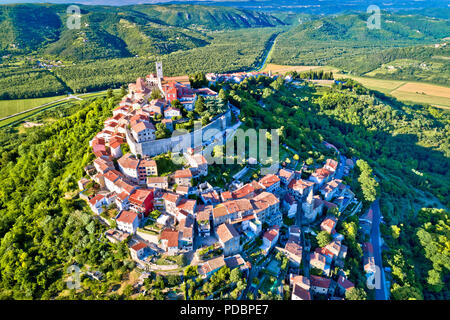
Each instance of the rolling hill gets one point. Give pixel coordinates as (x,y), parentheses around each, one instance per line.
(114,32)
(319,41)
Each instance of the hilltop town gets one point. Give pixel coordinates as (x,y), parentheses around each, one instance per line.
(264,227)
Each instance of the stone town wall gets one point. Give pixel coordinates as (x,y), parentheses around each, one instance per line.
(177,143)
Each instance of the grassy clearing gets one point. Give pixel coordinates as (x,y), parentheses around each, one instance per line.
(9,107)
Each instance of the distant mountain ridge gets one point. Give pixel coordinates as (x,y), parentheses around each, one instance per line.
(109,32)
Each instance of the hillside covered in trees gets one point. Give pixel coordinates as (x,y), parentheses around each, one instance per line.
(406,146)
(321,41)
(117,31)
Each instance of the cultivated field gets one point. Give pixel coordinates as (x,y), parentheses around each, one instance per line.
(9,107)
(276,68)
(415,92)
(422,88)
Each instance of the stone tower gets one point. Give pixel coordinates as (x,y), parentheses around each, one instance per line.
(308,206)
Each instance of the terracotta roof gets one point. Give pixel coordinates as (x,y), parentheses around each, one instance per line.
(331,163)
(114,145)
(220,211)
(97,198)
(269,180)
(334,247)
(294,248)
(151,180)
(345,283)
(234,261)
(104,164)
(226,195)
(263,201)
(138,246)
(239,205)
(182,189)
(243,192)
(147,163)
(213,264)
(143,125)
(124,186)
(301,292)
(320,282)
(211,196)
(286,174)
(123,195)
(186,226)
(171,236)
(315,256)
(321,173)
(140,195)
(226,232)
(185,173)
(127,217)
(300,185)
(128,161)
(113,175)
(270,235)
(302,281)
(187,205)
(170,197)
(204,212)
(328,224)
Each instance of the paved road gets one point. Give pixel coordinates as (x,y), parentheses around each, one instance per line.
(269,50)
(380,293)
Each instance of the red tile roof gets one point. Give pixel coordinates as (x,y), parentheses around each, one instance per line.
(170,197)
(204,212)
(171,236)
(140,195)
(138,246)
(320,282)
(263,201)
(185,173)
(226,232)
(269,180)
(345,283)
(97,198)
(127,217)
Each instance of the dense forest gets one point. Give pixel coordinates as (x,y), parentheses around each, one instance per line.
(321,41)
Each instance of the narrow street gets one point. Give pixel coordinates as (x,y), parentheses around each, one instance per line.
(305,255)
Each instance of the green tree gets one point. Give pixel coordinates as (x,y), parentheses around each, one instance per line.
(356,294)
(323,238)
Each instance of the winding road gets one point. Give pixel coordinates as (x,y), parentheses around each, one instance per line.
(381,292)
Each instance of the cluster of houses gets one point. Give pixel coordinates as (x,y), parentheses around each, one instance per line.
(138,113)
(236,77)
(191,215)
